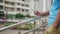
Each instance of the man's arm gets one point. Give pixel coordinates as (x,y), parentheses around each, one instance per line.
(57,21)
(42,14)
(46,13)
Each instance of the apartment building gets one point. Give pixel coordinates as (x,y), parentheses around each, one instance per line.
(14,6)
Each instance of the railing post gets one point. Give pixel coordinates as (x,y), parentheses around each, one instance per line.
(19,29)
(25,33)
(38,32)
(42,25)
(34,27)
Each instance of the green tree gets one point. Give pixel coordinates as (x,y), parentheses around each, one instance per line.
(19,15)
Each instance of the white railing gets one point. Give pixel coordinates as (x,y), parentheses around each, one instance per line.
(27,21)
(37,28)
(30,20)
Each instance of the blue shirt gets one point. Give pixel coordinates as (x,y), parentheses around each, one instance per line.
(53,12)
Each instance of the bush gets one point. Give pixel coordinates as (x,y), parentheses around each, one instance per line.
(9,23)
(9,16)
(25,27)
(28,16)
(29,26)
(19,15)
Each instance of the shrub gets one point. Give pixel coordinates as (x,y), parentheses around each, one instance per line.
(28,16)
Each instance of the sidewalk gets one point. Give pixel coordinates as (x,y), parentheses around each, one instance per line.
(1,25)
(16,32)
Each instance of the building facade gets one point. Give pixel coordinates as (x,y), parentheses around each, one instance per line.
(14,6)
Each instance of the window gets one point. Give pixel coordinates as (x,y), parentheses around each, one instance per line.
(22,10)
(1,1)
(26,10)
(18,3)
(6,2)
(18,9)
(27,5)
(6,9)
(1,7)
(51,2)
(23,0)
(9,9)
(1,14)
(12,9)
(11,3)
(22,4)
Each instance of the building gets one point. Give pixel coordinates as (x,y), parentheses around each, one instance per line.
(14,6)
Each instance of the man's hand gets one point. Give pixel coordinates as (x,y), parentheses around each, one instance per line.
(38,13)
(46,13)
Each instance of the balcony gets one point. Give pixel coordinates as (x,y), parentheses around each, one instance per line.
(10,0)
(9,6)
(22,2)
(23,7)
(1,3)
(11,12)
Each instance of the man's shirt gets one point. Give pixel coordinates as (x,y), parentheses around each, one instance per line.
(53,12)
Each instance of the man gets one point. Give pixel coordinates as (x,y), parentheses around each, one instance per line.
(54,18)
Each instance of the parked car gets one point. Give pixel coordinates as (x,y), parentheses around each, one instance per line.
(2,19)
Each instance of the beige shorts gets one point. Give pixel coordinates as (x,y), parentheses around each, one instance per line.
(52,30)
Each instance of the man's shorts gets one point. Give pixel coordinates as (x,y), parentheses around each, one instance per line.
(52,30)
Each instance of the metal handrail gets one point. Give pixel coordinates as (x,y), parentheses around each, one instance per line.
(30,20)
(36,28)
